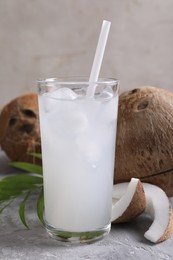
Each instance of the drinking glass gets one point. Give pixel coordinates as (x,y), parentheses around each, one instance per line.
(78,149)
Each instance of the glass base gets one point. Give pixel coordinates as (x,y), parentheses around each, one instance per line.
(78,237)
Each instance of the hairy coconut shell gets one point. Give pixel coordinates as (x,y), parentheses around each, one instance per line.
(144,147)
(19,128)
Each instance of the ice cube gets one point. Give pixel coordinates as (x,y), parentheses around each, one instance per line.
(110,110)
(107,93)
(72,123)
(64,93)
(49,100)
(77,122)
(89,149)
(67,120)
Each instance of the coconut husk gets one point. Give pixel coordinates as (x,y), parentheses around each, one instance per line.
(19,128)
(144,147)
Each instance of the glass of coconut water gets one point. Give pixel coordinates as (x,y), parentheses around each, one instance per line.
(78,147)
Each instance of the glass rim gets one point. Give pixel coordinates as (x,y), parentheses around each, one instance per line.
(73,80)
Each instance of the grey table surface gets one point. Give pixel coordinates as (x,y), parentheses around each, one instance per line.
(125,241)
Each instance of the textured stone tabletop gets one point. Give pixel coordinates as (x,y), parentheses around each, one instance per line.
(125,241)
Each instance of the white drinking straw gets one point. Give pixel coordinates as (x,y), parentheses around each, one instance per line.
(98,58)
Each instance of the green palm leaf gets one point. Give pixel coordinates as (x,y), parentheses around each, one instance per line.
(40,207)
(12,187)
(37,155)
(29,167)
(4,206)
(22,209)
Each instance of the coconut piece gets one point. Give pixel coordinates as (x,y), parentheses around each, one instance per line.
(130,203)
(158,207)
(144,147)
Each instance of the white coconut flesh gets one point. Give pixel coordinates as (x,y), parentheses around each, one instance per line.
(122,196)
(157,206)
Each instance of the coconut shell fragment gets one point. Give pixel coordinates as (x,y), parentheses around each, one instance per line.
(137,201)
(133,198)
(159,208)
(169,230)
(144,147)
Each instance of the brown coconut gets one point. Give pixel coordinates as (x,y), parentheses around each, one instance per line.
(19,128)
(144,146)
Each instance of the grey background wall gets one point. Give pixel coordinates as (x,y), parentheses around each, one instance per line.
(50,38)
